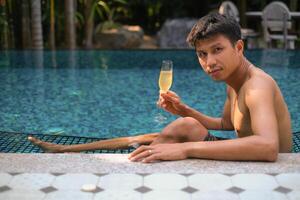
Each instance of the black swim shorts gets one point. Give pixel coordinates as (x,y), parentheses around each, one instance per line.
(211,137)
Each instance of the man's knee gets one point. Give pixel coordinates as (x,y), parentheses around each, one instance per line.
(188,122)
(195,131)
(181,127)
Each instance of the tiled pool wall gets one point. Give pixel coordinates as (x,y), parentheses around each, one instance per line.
(113,93)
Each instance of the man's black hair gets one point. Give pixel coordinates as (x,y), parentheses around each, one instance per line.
(214,24)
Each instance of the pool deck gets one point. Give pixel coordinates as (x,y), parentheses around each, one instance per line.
(62,176)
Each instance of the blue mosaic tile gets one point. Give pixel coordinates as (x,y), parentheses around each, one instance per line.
(113,93)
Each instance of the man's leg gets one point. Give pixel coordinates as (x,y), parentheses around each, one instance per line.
(181,130)
(115,143)
(185,129)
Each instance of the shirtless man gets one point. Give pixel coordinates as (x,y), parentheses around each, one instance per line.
(254,108)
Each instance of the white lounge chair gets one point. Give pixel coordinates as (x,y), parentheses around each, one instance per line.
(249,35)
(276,21)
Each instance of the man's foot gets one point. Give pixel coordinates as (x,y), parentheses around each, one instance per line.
(46,146)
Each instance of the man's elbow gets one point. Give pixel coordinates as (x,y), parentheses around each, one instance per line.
(271,151)
(272,157)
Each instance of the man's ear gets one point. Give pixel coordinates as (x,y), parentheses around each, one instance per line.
(240,46)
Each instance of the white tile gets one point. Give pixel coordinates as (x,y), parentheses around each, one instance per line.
(74,181)
(31,181)
(165,194)
(118,195)
(120,181)
(23,194)
(69,195)
(294,195)
(5,179)
(165,181)
(291,181)
(210,181)
(254,181)
(214,195)
(262,194)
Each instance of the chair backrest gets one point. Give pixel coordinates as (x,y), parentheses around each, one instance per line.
(276,16)
(228,8)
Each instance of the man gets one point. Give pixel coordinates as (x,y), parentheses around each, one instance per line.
(254,108)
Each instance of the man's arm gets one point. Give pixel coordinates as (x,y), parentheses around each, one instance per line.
(174,105)
(212,123)
(263,145)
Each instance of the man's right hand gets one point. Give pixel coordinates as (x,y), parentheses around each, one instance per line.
(171,102)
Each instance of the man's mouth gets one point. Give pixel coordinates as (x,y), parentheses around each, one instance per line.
(214,72)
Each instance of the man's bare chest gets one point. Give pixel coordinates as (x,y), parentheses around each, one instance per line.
(240,117)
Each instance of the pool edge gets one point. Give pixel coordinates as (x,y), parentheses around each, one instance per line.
(118,163)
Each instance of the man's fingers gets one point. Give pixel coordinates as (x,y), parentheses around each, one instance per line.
(169,96)
(138,150)
(171,99)
(142,155)
(151,158)
(161,100)
(173,94)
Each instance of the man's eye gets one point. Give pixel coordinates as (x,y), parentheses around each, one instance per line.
(219,49)
(200,54)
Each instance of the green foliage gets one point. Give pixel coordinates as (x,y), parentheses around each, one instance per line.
(105,14)
(3,27)
(110,12)
(79,19)
(151,14)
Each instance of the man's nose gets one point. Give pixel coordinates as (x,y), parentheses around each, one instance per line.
(211,61)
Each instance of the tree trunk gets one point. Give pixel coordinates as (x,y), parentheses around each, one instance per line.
(11,24)
(36,24)
(52,26)
(26,34)
(70,34)
(89,23)
(3,27)
(293,5)
(242,4)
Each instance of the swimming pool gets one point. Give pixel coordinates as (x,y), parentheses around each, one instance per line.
(113,93)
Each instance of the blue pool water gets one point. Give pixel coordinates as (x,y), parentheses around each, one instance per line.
(113,93)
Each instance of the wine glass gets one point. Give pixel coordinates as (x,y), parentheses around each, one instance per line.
(165,82)
(165,76)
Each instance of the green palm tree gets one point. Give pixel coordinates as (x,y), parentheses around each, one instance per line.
(52,26)
(89,24)
(70,33)
(26,32)
(4,29)
(36,25)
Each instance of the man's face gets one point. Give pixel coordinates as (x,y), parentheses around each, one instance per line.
(218,57)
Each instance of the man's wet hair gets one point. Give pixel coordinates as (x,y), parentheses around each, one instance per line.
(215,24)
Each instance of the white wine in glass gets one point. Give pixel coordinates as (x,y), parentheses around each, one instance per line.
(165,76)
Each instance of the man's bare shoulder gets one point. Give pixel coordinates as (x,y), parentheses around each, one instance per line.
(259,80)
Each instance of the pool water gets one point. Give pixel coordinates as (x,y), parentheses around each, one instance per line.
(113,93)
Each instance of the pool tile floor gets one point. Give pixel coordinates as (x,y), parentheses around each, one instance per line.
(54,176)
(153,186)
